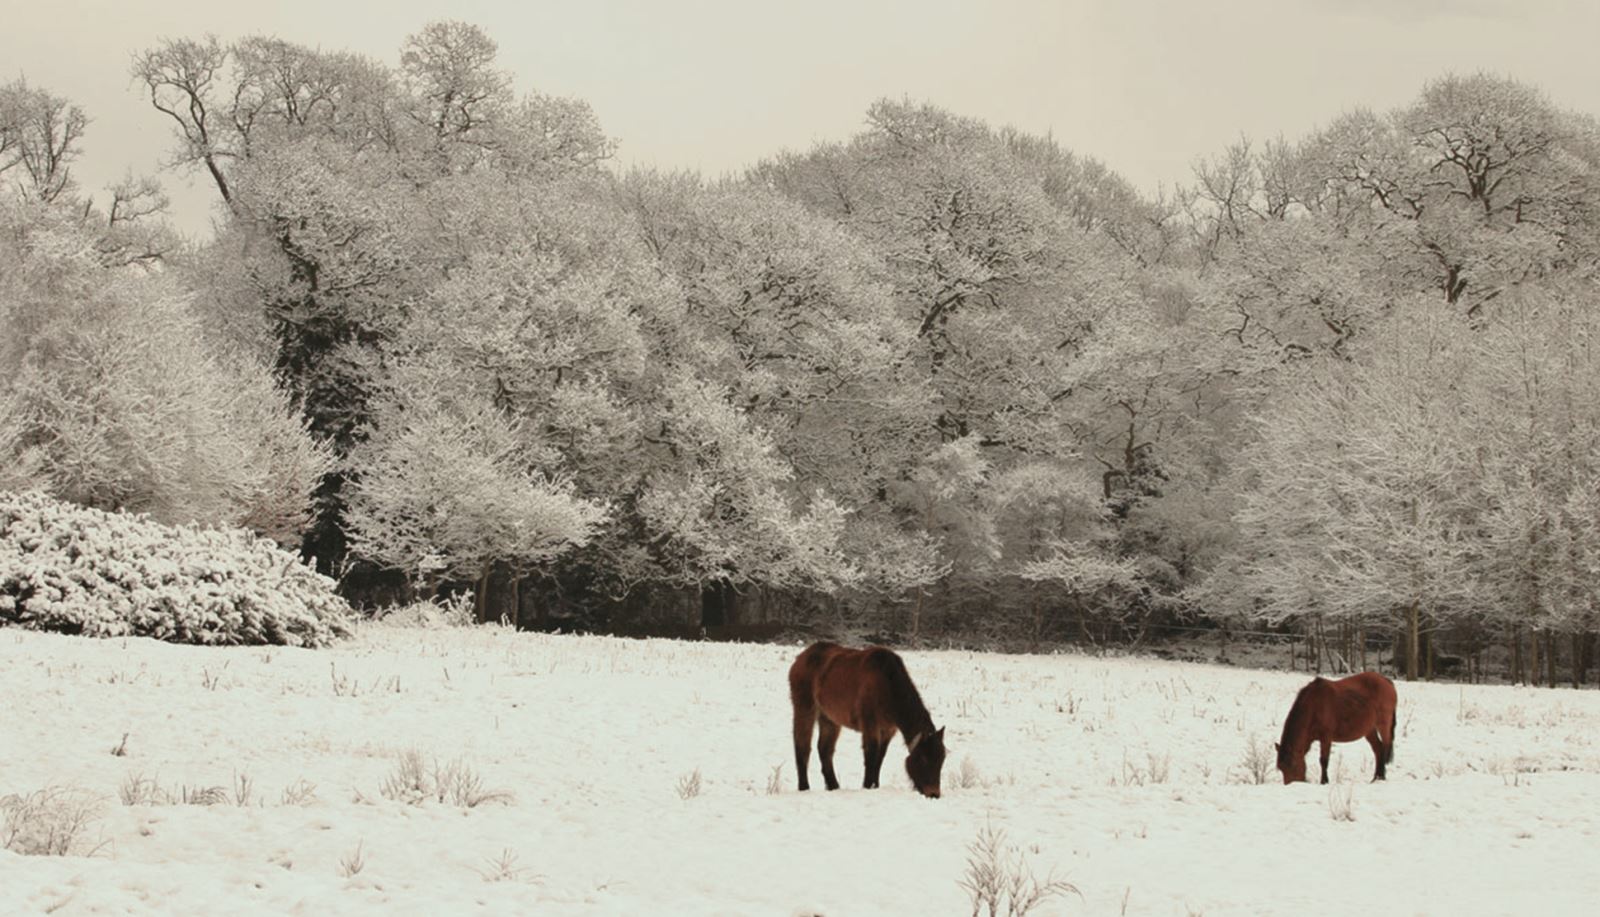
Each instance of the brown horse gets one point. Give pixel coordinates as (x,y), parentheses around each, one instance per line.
(1358,707)
(869,691)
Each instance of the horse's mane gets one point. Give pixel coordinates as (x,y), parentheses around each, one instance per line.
(911,717)
(1294,723)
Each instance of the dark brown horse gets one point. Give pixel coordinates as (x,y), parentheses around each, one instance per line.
(869,691)
(1358,707)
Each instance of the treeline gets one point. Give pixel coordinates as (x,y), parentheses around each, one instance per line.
(937,377)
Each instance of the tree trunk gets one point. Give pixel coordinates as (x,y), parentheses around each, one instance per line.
(1413,628)
(541,605)
(716,604)
(1516,654)
(1533,659)
(1550,659)
(1035,618)
(480,598)
(1429,653)
(516,600)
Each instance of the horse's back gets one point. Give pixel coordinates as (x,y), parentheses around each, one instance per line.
(813,655)
(882,659)
(822,666)
(1373,685)
(831,656)
(807,666)
(1358,704)
(843,683)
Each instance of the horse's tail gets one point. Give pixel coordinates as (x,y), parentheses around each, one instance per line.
(1388,750)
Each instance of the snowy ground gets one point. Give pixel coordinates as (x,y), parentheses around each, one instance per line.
(1126,777)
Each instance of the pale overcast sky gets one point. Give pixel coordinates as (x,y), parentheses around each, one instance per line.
(716,84)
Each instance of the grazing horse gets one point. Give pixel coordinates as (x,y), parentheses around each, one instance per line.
(869,691)
(1358,707)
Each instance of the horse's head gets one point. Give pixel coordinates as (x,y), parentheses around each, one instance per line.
(925,760)
(1292,766)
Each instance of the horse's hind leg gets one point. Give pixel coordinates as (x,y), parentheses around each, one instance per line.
(827,737)
(1375,739)
(1326,746)
(805,720)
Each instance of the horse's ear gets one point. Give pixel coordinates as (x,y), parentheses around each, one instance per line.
(940,733)
(1277,747)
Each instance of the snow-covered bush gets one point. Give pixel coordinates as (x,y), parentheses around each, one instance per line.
(83,571)
(452,611)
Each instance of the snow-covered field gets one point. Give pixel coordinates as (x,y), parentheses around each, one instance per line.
(1126,777)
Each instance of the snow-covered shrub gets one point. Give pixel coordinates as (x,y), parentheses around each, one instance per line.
(353,862)
(1341,801)
(456,783)
(83,571)
(999,879)
(451,611)
(689,785)
(47,822)
(1257,762)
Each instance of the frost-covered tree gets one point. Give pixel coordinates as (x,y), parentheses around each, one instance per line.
(1478,185)
(326,163)
(40,137)
(1362,500)
(115,398)
(1002,287)
(783,308)
(1534,412)
(1012,264)
(448,487)
(1055,531)
(723,508)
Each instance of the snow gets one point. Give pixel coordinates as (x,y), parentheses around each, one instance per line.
(1492,805)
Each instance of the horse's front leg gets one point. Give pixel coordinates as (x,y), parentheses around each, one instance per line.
(872,757)
(877,762)
(827,738)
(1326,745)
